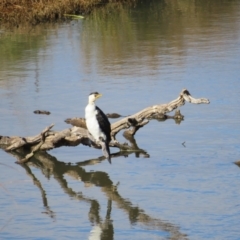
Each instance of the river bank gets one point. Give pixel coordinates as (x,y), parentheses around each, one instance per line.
(16,12)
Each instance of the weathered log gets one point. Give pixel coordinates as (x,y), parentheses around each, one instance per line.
(149,112)
(78,134)
(78,122)
(41,112)
(113,115)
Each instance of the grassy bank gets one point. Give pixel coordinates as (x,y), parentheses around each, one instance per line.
(17,12)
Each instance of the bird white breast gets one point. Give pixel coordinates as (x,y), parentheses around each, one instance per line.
(92,123)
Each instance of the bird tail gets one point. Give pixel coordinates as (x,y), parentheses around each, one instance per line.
(106,151)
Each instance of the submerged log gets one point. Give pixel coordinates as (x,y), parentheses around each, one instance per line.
(78,134)
(41,112)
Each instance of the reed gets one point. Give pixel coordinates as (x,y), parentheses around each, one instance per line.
(16,12)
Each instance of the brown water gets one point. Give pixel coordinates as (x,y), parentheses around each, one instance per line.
(136,56)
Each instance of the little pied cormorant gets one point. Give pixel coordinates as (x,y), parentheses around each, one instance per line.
(97,124)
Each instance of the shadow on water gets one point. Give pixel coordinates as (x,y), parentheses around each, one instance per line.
(52,167)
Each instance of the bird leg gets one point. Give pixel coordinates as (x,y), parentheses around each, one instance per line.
(92,141)
(90,136)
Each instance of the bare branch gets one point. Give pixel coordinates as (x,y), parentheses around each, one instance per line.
(78,134)
(137,119)
(18,142)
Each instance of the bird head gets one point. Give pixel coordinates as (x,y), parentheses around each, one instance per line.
(94,96)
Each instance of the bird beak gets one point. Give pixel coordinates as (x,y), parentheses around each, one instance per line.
(99,95)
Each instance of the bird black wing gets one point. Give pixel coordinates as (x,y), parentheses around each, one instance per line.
(104,123)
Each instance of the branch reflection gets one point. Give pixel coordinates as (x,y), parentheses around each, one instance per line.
(104,228)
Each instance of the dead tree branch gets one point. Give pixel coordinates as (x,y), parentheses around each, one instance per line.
(78,134)
(140,119)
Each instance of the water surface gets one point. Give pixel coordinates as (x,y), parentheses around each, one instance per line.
(136,56)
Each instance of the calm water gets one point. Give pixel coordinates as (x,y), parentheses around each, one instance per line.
(136,56)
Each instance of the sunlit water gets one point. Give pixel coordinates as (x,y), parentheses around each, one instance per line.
(137,57)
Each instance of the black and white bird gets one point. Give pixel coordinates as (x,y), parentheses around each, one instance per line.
(98,124)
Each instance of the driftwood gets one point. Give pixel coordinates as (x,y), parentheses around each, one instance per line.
(78,134)
(41,112)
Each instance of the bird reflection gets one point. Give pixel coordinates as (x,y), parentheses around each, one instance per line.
(102,227)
